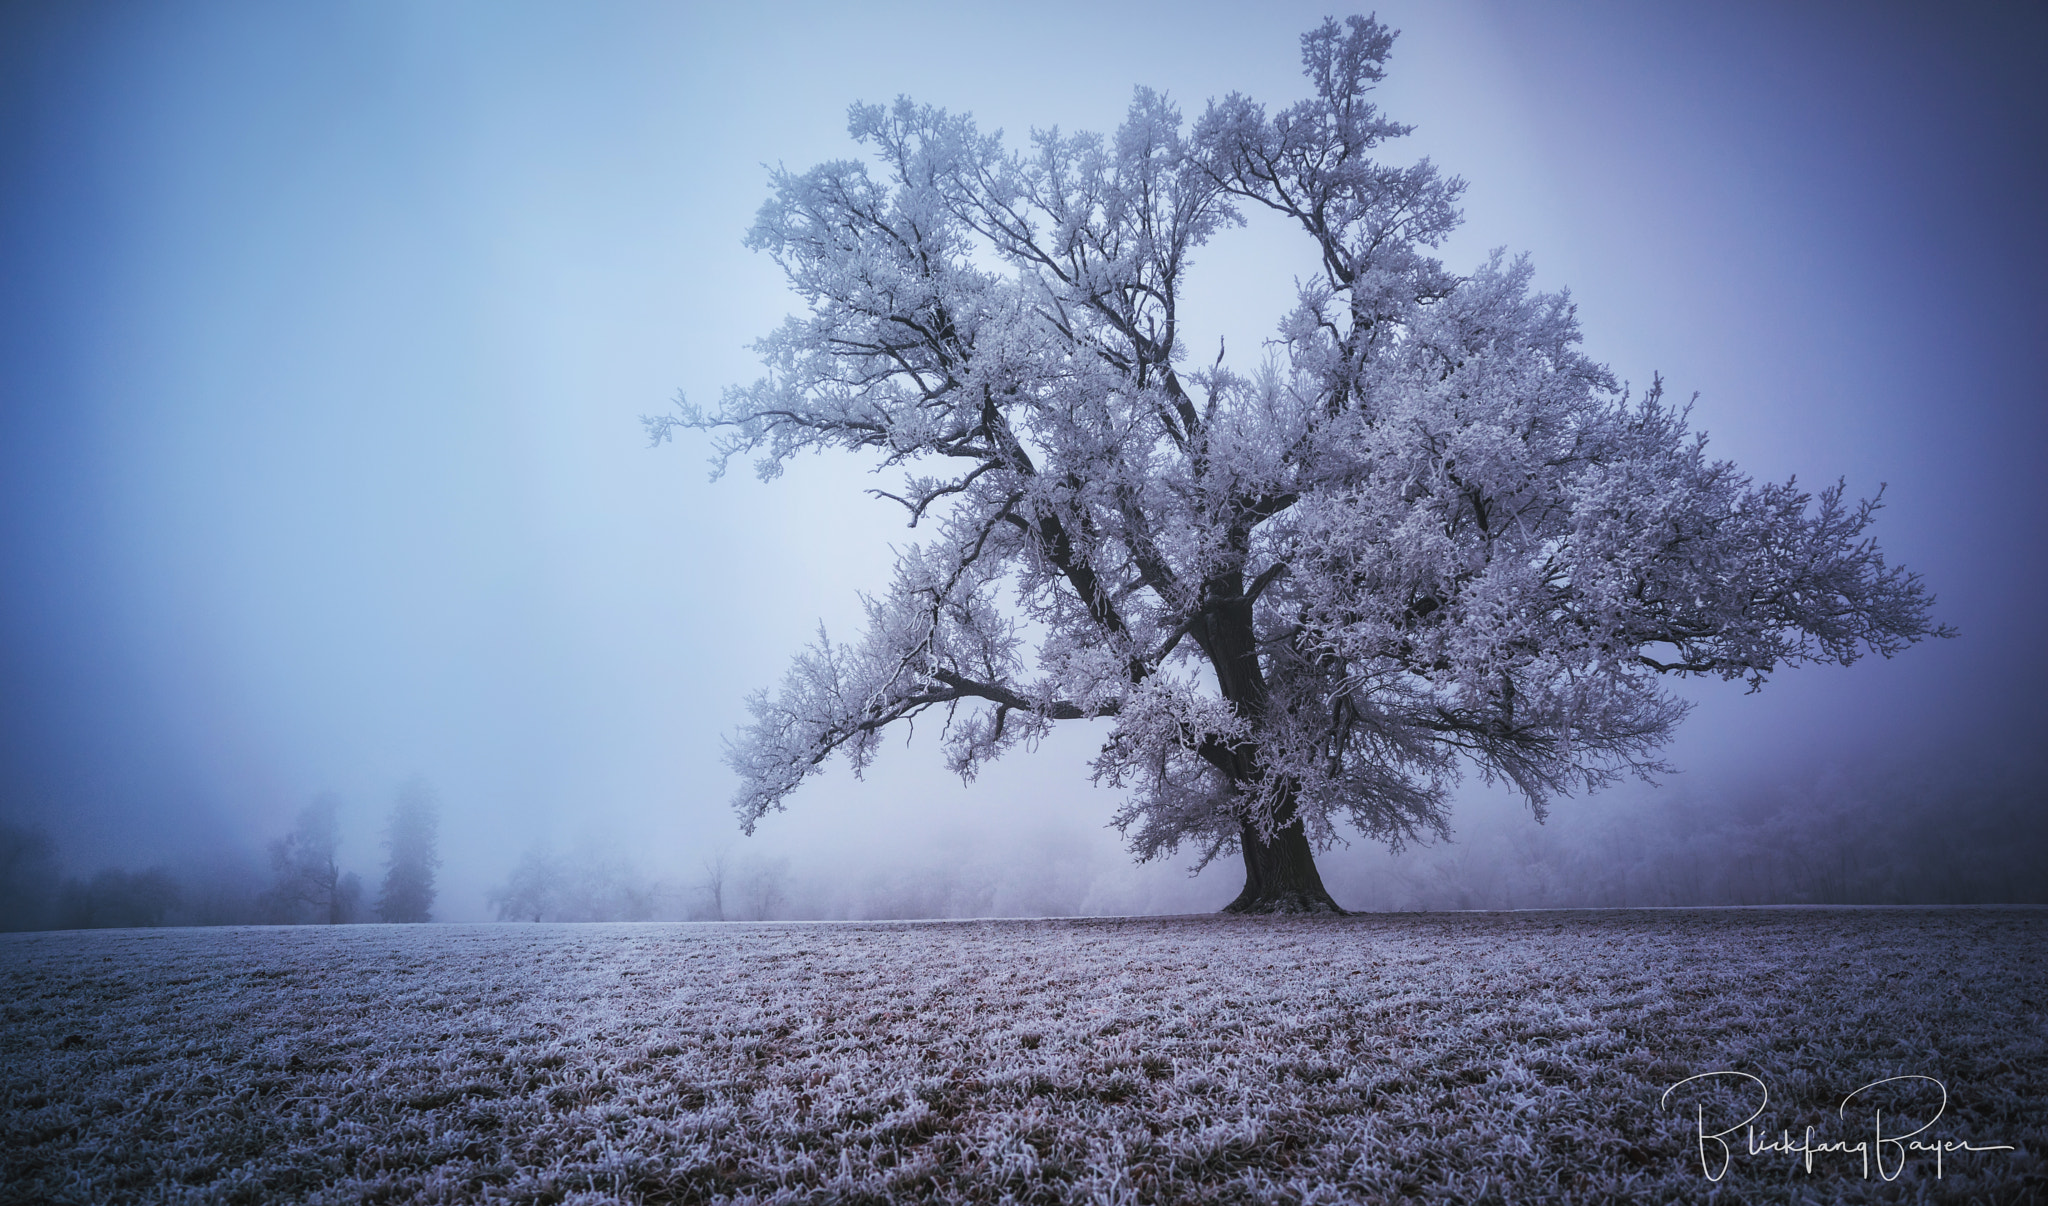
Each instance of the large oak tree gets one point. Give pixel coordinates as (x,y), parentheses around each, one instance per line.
(1422,533)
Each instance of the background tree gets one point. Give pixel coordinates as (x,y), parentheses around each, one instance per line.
(763,888)
(712,887)
(591,886)
(1422,534)
(310,884)
(412,846)
(533,890)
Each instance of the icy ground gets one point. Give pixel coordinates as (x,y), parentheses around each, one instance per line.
(1435,1057)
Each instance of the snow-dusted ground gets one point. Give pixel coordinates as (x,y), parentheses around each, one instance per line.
(1448,1057)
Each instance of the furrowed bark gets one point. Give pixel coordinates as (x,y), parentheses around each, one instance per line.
(1280,876)
(1280,873)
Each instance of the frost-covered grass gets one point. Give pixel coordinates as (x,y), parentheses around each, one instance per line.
(1441,1057)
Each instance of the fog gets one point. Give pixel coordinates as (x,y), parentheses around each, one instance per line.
(328,329)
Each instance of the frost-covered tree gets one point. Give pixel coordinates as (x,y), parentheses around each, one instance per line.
(412,839)
(1422,533)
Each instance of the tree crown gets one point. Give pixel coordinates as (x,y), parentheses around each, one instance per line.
(1424,533)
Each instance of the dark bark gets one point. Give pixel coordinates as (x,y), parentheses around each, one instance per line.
(1279,875)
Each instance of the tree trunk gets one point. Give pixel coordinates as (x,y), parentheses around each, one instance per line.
(1280,877)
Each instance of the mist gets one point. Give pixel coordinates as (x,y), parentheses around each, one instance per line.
(328,331)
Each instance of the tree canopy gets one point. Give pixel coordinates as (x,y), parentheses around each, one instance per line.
(1421,533)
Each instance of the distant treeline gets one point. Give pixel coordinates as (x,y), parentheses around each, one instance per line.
(35,895)
(1863,837)
(1867,836)
(546,886)
(305,883)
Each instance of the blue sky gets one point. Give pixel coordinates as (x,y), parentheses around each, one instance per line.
(327,329)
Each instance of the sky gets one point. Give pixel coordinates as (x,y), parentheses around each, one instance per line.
(326,330)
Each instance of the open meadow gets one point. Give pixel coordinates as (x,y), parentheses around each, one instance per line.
(1460,1057)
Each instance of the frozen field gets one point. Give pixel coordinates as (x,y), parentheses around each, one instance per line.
(1444,1057)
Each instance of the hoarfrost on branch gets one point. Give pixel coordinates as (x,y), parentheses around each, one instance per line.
(1423,533)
